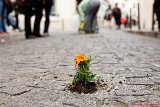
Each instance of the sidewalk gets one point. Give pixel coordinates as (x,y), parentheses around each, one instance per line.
(35,73)
(149,33)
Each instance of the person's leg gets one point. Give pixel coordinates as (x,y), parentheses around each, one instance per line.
(81,14)
(88,18)
(27,22)
(38,17)
(47,21)
(159,25)
(12,22)
(94,22)
(17,20)
(158,19)
(119,22)
(1,5)
(95,25)
(4,18)
(91,19)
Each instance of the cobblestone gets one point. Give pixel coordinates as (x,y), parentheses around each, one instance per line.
(35,73)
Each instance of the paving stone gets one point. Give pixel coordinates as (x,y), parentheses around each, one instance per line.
(132,90)
(139,81)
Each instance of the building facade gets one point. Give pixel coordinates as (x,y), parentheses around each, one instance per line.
(146,12)
(65,9)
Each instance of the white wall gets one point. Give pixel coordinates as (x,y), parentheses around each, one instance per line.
(146,7)
(65,8)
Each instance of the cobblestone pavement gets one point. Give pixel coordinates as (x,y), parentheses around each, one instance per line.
(34,73)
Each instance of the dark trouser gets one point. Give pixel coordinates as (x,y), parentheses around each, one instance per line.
(28,15)
(47,21)
(38,17)
(158,19)
(17,20)
(91,15)
(117,20)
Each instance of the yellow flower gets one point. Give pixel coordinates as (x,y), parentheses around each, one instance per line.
(79,58)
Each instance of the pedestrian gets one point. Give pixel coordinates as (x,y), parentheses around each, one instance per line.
(88,10)
(108,15)
(47,7)
(116,12)
(156,8)
(3,16)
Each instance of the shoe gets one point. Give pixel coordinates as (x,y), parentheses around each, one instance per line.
(46,34)
(39,36)
(30,37)
(89,31)
(96,31)
(20,29)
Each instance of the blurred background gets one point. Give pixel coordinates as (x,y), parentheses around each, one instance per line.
(139,14)
(139,11)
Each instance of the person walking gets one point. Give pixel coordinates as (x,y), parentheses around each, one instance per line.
(116,12)
(3,17)
(88,13)
(108,15)
(47,7)
(156,8)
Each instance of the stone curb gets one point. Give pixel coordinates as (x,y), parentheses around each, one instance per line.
(145,33)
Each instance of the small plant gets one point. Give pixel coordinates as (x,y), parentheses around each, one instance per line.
(84,80)
(83,74)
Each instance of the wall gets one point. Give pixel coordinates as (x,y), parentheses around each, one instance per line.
(146,7)
(65,8)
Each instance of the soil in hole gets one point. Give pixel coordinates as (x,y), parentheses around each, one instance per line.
(82,88)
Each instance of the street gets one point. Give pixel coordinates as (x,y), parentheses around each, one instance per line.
(35,72)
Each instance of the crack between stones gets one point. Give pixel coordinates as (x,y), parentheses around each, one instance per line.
(143,84)
(16,94)
(36,87)
(68,104)
(134,95)
(138,77)
(2,103)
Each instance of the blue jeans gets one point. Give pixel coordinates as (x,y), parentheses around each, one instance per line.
(47,21)
(3,17)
